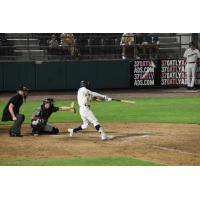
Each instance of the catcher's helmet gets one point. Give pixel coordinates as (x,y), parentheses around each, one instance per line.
(48,100)
(85,84)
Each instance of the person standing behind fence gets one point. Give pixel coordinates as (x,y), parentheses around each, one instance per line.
(68,44)
(127,42)
(192,57)
(53,45)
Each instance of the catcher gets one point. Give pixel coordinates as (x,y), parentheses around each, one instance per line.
(40,118)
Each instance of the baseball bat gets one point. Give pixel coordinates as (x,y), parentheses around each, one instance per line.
(124,101)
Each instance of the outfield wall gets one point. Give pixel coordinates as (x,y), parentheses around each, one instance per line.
(120,74)
(64,75)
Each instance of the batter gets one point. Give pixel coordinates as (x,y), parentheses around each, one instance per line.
(84,97)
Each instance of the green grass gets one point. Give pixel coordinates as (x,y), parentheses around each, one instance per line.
(160,110)
(98,161)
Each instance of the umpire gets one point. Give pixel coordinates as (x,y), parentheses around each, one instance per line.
(11,111)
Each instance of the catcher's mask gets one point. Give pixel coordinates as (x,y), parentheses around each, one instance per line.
(25,91)
(48,100)
(85,84)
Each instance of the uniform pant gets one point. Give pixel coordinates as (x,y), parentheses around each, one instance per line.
(128,51)
(88,117)
(190,70)
(47,128)
(16,127)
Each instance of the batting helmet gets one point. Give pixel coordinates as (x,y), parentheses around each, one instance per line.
(85,84)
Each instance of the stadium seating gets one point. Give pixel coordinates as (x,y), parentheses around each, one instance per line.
(89,45)
(6,47)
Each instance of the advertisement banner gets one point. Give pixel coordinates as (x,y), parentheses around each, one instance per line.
(173,72)
(161,73)
(142,73)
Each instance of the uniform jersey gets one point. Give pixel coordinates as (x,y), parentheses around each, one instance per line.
(17,101)
(85,96)
(191,55)
(43,113)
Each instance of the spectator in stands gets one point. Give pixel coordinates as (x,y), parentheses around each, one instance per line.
(53,45)
(139,38)
(155,46)
(148,45)
(68,44)
(63,42)
(127,42)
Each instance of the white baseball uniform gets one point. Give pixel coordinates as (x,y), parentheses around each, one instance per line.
(84,97)
(191,64)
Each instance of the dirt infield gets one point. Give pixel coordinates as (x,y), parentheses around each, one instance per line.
(170,144)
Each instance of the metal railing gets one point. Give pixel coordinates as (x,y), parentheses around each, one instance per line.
(31,47)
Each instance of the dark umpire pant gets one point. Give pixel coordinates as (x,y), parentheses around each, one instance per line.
(15,130)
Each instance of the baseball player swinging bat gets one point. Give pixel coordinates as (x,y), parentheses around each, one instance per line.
(152,66)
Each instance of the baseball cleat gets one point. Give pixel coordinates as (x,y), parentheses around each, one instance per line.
(104,136)
(71,132)
(35,133)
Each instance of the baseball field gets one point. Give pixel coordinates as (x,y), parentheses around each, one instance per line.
(162,128)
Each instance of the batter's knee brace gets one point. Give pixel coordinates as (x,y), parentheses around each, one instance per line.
(55,130)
